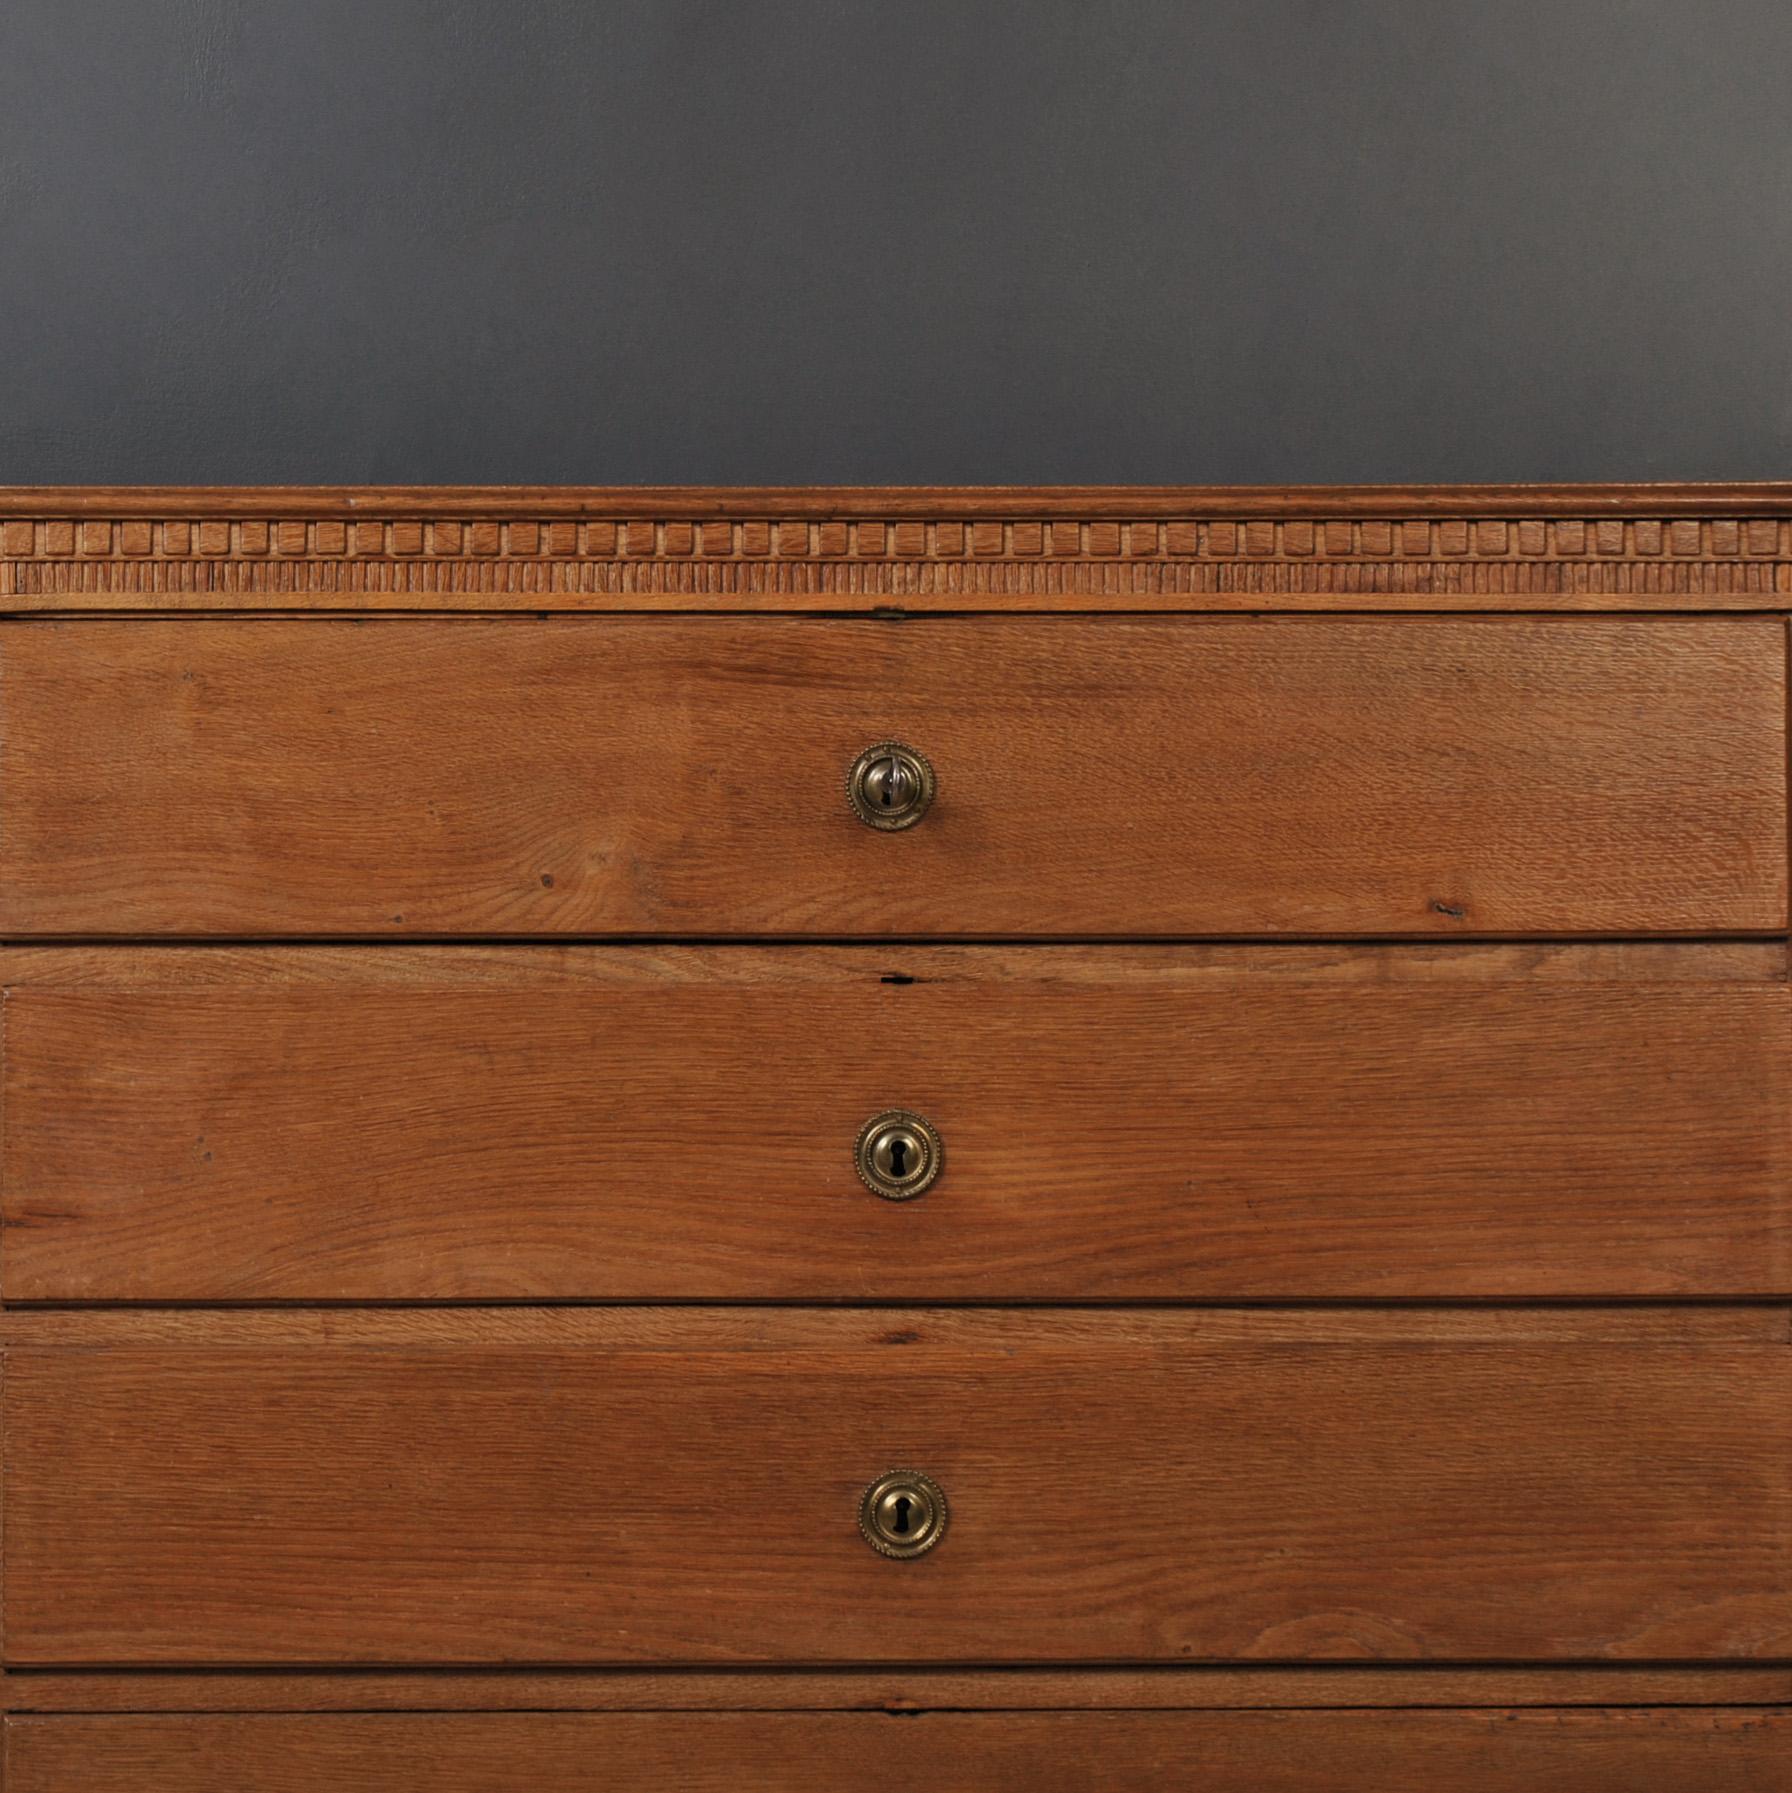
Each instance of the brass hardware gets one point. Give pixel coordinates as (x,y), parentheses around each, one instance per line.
(898,1155)
(890,786)
(903,1514)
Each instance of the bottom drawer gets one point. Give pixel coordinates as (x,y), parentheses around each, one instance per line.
(1677,1751)
(687,1486)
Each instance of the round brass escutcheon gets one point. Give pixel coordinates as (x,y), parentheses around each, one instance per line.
(898,1155)
(903,1514)
(890,786)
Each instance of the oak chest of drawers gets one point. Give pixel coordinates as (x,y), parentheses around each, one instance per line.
(896,1139)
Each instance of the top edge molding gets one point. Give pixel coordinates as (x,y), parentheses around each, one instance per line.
(905,548)
(1755,499)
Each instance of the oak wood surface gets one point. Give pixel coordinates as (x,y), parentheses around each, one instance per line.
(1702,1210)
(589,1123)
(748,1328)
(1102,777)
(656,1486)
(547,965)
(1328,1686)
(1722,1751)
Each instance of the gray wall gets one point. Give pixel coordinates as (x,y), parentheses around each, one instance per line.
(895,240)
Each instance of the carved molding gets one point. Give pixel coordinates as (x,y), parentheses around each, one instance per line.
(451,559)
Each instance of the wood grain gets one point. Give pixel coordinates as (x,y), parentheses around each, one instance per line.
(1329,1686)
(659,1486)
(1195,965)
(447,1124)
(1644,1325)
(1113,1752)
(1102,777)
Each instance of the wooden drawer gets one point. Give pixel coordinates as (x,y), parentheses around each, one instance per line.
(681,1485)
(432,1123)
(1714,1751)
(1097,777)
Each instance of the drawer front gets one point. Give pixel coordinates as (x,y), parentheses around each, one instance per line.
(1099,777)
(455,1124)
(592,1486)
(1713,1751)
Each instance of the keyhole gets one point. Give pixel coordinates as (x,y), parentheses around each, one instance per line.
(897,1155)
(902,1514)
(889,786)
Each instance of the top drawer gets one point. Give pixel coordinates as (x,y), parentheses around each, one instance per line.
(1096,777)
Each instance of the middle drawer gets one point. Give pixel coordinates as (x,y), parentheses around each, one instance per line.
(436,1123)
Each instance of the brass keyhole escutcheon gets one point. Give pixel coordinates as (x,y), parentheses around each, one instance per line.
(898,1155)
(890,786)
(903,1514)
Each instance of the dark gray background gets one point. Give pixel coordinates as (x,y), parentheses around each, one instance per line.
(792,241)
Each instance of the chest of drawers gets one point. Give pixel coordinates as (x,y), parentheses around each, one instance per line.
(781,1140)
